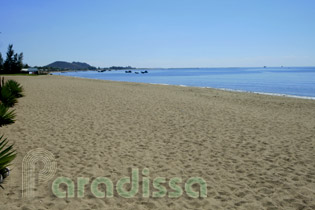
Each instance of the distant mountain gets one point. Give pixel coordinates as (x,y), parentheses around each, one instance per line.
(63,65)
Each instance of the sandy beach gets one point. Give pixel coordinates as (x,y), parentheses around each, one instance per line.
(254,151)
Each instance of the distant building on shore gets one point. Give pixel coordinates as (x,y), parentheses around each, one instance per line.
(30,70)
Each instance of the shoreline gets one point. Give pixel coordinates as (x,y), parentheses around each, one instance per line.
(224,89)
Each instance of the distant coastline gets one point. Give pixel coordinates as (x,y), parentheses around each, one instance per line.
(167,68)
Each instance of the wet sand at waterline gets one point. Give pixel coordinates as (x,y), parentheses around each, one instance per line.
(254,151)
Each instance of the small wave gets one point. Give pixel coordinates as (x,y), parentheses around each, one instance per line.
(266,93)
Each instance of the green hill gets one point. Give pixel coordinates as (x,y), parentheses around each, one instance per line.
(63,65)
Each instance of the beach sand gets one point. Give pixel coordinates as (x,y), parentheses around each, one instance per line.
(254,151)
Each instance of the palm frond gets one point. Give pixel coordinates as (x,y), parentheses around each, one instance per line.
(7,154)
(6,116)
(9,92)
(15,88)
(7,98)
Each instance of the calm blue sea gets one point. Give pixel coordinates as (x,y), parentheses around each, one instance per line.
(292,81)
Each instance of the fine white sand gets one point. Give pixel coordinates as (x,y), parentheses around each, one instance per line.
(254,151)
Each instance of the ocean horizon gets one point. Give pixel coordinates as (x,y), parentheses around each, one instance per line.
(283,81)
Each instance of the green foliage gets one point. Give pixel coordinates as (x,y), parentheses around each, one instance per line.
(9,92)
(14,87)
(6,116)
(7,154)
(7,98)
(14,62)
(1,62)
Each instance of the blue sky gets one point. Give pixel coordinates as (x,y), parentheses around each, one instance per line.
(161,33)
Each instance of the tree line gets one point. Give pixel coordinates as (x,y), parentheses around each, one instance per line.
(13,63)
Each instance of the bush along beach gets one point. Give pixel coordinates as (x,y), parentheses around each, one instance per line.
(10,91)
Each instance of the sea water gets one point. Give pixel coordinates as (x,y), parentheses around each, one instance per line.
(291,81)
